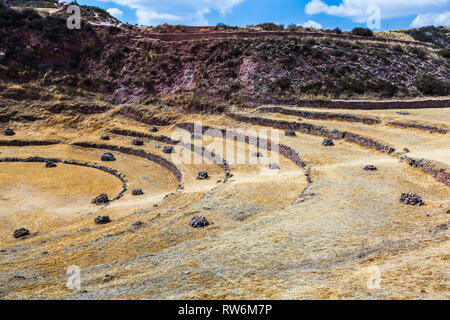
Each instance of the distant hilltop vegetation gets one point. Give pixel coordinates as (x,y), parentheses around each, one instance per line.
(33,3)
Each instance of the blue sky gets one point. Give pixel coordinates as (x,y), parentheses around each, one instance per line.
(346,14)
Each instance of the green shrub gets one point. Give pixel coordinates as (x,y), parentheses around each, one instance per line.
(362,32)
(270,26)
(283,83)
(432,86)
(115,60)
(419,52)
(444,53)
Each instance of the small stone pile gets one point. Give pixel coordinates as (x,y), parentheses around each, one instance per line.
(9,132)
(199,222)
(138,142)
(102,220)
(168,149)
(50,164)
(108,157)
(101,199)
(137,224)
(370,168)
(328,143)
(153,129)
(257,155)
(137,192)
(274,166)
(105,137)
(411,199)
(202,175)
(19,233)
(289,133)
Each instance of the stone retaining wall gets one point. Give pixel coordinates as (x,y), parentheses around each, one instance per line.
(321,115)
(284,150)
(135,152)
(278,34)
(429,128)
(439,174)
(110,171)
(199,150)
(360,105)
(25,143)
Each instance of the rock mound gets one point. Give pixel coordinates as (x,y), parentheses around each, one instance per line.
(328,143)
(153,129)
(102,220)
(168,149)
(101,199)
(370,168)
(108,156)
(289,133)
(411,199)
(199,222)
(138,142)
(105,137)
(202,175)
(19,233)
(50,164)
(9,132)
(137,192)
(274,166)
(137,224)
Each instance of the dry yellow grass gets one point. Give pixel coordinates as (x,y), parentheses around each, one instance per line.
(271,237)
(392,35)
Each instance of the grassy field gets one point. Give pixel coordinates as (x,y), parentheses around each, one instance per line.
(274,235)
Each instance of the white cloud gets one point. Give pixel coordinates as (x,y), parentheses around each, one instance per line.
(439,19)
(312,24)
(357,9)
(117,13)
(192,12)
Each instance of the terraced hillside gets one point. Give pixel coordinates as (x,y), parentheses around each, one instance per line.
(314,226)
(197,163)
